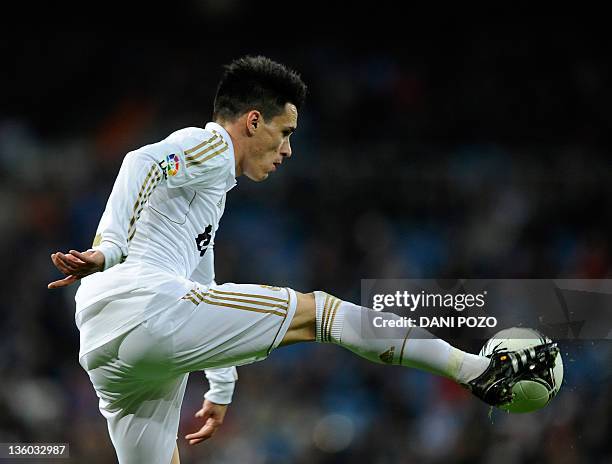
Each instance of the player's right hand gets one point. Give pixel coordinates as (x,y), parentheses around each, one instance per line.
(76,265)
(212,414)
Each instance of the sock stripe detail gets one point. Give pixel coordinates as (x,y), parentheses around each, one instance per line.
(328,300)
(320,298)
(330,325)
(328,307)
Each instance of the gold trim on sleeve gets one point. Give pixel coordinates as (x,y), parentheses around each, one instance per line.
(200,145)
(141,200)
(206,150)
(212,155)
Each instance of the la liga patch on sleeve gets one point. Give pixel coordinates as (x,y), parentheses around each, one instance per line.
(170,166)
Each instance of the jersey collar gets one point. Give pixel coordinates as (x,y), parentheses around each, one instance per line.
(231,181)
(217,127)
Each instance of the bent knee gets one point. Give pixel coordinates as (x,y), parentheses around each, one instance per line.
(303,325)
(305,311)
(306,303)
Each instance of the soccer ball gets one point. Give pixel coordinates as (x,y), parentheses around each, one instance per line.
(535,393)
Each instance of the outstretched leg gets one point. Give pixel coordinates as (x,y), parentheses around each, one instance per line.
(324,318)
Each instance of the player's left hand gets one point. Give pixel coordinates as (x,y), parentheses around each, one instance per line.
(76,265)
(213,415)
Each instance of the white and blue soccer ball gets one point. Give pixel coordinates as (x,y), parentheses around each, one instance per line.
(534,393)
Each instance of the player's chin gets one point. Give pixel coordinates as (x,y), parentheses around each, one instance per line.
(258,177)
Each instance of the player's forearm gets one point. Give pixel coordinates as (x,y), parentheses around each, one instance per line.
(222,382)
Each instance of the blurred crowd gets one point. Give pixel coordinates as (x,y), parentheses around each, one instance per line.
(480,157)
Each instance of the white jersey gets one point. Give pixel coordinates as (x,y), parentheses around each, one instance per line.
(160,223)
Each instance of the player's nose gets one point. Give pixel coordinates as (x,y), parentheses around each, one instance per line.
(285,150)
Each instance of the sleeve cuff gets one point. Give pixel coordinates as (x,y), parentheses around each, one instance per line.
(112,253)
(222,382)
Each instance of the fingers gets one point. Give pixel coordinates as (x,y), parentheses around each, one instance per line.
(66,262)
(203,434)
(210,426)
(81,256)
(74,265)
(62,265)
(70,261)
(63,282)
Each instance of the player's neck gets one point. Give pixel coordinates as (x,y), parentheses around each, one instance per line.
(234,133)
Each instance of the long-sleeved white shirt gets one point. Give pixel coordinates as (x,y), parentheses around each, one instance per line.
(160,220)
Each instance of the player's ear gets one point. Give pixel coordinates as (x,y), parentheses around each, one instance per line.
(253,121)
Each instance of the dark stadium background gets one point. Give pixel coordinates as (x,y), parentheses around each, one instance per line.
(480,152)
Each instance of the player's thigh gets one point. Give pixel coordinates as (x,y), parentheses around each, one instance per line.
(143,425)
(140,402)
(232,324)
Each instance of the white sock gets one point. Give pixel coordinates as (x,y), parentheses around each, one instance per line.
(340,322)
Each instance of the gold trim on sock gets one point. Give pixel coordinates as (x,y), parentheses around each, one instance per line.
(328,300)
(333,311)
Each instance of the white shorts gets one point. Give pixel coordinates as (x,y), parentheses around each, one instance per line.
(140,377)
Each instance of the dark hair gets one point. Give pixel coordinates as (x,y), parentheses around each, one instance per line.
(257,83)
